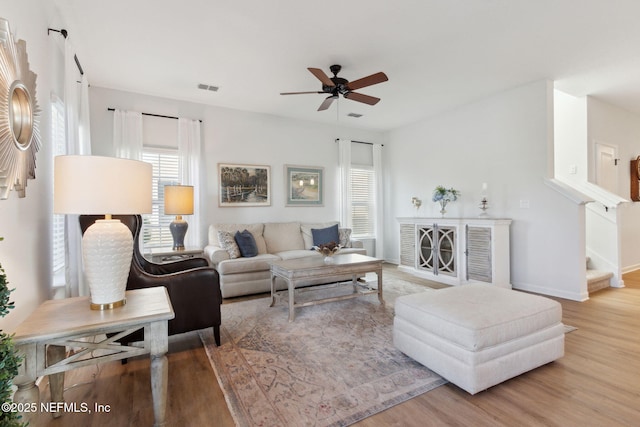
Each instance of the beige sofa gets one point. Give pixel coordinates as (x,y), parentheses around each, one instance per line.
(275,241)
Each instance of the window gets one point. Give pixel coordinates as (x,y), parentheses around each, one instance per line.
(362,201)
(58,140)
(166,171)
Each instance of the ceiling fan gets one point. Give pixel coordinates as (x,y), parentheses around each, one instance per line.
(335,86)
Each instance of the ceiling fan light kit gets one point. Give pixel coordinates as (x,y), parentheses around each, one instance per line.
(336,86)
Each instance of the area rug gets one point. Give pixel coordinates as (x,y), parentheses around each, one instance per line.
(333,366)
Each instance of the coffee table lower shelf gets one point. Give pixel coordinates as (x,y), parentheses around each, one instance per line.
(298,271)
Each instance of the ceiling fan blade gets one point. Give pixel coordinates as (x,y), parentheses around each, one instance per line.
(327,102)
(373,79)
(371,100)
(298,93)
(320,75)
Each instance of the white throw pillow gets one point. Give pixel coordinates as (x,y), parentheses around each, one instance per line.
(345,237)
(228,243)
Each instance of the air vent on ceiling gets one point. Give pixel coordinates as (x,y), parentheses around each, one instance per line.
(356,115)
(208,87)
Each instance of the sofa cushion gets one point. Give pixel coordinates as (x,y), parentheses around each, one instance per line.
(246,265)
(246,243)
(282,236)
(298,253)
(255,229)
(478,316)
(306,231)
(228,243)
(322,236)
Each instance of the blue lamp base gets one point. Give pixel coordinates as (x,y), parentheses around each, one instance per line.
(178,228)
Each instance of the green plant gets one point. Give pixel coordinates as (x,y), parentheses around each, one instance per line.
(9,360)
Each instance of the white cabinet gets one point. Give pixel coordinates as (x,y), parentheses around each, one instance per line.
(456,251)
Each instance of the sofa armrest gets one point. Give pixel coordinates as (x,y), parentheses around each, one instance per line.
(216,254)
(356,243)
(175,266)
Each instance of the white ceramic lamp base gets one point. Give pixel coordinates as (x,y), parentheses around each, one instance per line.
(107,249)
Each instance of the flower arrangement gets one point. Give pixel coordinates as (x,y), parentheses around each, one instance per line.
(328,249)
(443,196)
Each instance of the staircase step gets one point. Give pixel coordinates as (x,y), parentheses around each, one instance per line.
(598,279)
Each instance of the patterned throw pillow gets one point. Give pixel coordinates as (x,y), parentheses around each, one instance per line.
(228,243)
(345,237)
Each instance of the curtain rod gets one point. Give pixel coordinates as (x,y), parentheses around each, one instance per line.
(65,34)
(153,115)
(361,142)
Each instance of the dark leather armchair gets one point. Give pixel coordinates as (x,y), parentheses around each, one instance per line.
(193,286)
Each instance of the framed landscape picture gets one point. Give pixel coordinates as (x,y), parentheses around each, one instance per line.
(304,185)
(244,185)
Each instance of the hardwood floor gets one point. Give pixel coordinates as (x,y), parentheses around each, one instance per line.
(596,383)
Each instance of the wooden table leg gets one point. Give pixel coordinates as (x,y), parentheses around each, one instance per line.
(292,309)
(27,392)
(55,353)
(273,290)
(159,370)
(379,274)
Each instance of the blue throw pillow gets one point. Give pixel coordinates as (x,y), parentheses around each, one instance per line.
(246,243)
(322,236)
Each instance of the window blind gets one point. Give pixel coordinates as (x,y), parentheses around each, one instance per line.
(362,201)
(58,140)
(165,171)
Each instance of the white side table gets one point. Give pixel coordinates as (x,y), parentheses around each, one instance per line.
(42,338)
(160,255)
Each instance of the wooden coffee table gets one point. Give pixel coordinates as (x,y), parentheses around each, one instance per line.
(299,270)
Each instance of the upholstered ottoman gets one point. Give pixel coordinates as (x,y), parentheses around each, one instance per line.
(478,335)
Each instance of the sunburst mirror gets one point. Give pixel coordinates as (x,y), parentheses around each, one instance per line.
(19,113)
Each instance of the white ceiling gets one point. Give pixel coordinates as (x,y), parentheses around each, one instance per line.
(438,54)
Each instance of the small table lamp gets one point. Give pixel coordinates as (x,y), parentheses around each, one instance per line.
(178,200)
(93,185)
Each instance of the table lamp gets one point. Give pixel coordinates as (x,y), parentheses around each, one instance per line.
(94,185)
(178,200)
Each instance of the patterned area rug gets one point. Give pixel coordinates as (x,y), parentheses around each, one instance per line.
(333,366)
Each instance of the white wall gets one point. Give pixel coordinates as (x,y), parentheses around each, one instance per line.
(232,136)
(570,136)
(25,223)
(614,126)
(504,141)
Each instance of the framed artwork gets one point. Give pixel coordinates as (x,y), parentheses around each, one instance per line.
(304,185)
(244,185)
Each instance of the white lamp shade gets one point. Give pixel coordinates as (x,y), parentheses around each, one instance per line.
(105,186)
(178,200)
(101,185)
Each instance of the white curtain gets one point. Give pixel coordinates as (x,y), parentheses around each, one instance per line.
(189,146)
(377,169)
(127,134)
(76,102)
(344,162)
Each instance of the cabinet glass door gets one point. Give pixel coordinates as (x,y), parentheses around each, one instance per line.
(426,248)
(446,251)
(437,249)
